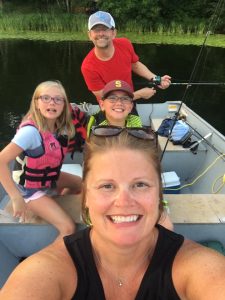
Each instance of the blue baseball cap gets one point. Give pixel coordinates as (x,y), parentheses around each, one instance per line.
(101,17)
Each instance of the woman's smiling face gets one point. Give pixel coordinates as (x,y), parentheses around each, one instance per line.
(122,194)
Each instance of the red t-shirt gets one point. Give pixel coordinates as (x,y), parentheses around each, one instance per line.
(97,72)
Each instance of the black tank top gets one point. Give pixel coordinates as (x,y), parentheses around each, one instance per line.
(157,282)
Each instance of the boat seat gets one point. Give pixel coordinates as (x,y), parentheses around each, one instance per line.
(163,140)
(214,245)
(196,208)
(75,169)
(6,217)
(70,203)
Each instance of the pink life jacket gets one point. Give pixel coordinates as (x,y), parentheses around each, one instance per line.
(41,171)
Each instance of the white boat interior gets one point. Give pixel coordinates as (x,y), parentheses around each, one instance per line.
(195,195)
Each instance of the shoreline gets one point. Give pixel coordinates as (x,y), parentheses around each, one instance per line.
(138,38)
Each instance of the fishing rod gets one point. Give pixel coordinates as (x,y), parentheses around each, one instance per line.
(196,143)
(197,61)
(197,83)
(203,139)
(189,83)
(187,86)
(157,81)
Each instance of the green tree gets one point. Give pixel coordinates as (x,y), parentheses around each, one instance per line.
(152,13)
(144,11)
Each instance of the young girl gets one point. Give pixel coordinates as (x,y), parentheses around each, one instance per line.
(38,149)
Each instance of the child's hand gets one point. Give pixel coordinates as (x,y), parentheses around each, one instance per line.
(145,93)
(19,207)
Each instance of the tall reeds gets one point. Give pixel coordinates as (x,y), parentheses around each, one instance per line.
(46,22)
(64,22)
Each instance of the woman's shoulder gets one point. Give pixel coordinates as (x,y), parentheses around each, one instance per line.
(59,263)
(49,273)
(55,256)
(197,270)
(190,248)
(194,254)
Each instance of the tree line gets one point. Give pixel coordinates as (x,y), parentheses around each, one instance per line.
(149,14)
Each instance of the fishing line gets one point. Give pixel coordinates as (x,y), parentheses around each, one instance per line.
(211,28)
(194,94)
(185,92)
(219,6)
(217,13)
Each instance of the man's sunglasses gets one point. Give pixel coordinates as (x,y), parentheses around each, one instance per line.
(138,132)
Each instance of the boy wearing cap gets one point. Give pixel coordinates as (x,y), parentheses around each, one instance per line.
(113,58)
(116,105)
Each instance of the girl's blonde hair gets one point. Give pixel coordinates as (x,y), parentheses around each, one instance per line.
(95,145)
(64,123)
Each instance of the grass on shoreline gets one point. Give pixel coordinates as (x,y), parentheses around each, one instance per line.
(70,27)
(141,38)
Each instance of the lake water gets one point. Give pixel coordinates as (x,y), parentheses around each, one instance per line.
(24,64)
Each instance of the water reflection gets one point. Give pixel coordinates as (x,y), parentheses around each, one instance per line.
(24,64)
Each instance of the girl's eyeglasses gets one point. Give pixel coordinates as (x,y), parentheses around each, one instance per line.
(138,132)
(48,98)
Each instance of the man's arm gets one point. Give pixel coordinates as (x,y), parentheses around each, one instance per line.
(98,95)
(141,70)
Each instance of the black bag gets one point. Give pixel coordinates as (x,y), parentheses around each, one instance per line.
(165,127)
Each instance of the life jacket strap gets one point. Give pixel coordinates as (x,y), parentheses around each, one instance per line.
(44,178)
(44,171)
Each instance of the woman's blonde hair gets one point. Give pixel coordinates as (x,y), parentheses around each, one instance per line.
(64,123)
(95,145)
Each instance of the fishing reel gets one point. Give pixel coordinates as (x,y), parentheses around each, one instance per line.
(156,80)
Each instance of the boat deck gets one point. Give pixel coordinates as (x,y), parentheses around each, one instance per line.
(184,208)
(197,208)
(70,203)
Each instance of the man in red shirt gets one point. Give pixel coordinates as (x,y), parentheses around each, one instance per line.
(114,58)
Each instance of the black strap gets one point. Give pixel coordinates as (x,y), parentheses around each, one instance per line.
(44,178)
(42,171)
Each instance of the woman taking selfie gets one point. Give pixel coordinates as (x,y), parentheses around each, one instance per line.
(124,253)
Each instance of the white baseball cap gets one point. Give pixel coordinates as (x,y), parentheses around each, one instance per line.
(101,17)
